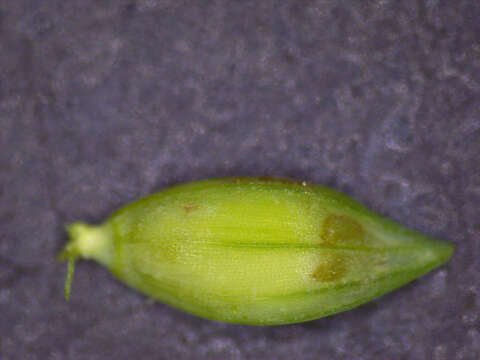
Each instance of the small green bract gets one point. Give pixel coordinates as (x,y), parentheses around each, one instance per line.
(258,251)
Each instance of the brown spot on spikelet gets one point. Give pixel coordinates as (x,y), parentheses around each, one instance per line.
(342,230)
(189,208)
(330,269)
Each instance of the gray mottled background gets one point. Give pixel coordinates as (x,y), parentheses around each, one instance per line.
(105,101)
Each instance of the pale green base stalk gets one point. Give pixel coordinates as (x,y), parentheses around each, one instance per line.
(88,242)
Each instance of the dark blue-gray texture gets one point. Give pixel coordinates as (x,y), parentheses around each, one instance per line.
(102,102)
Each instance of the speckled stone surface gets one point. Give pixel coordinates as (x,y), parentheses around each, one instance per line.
(102,102)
